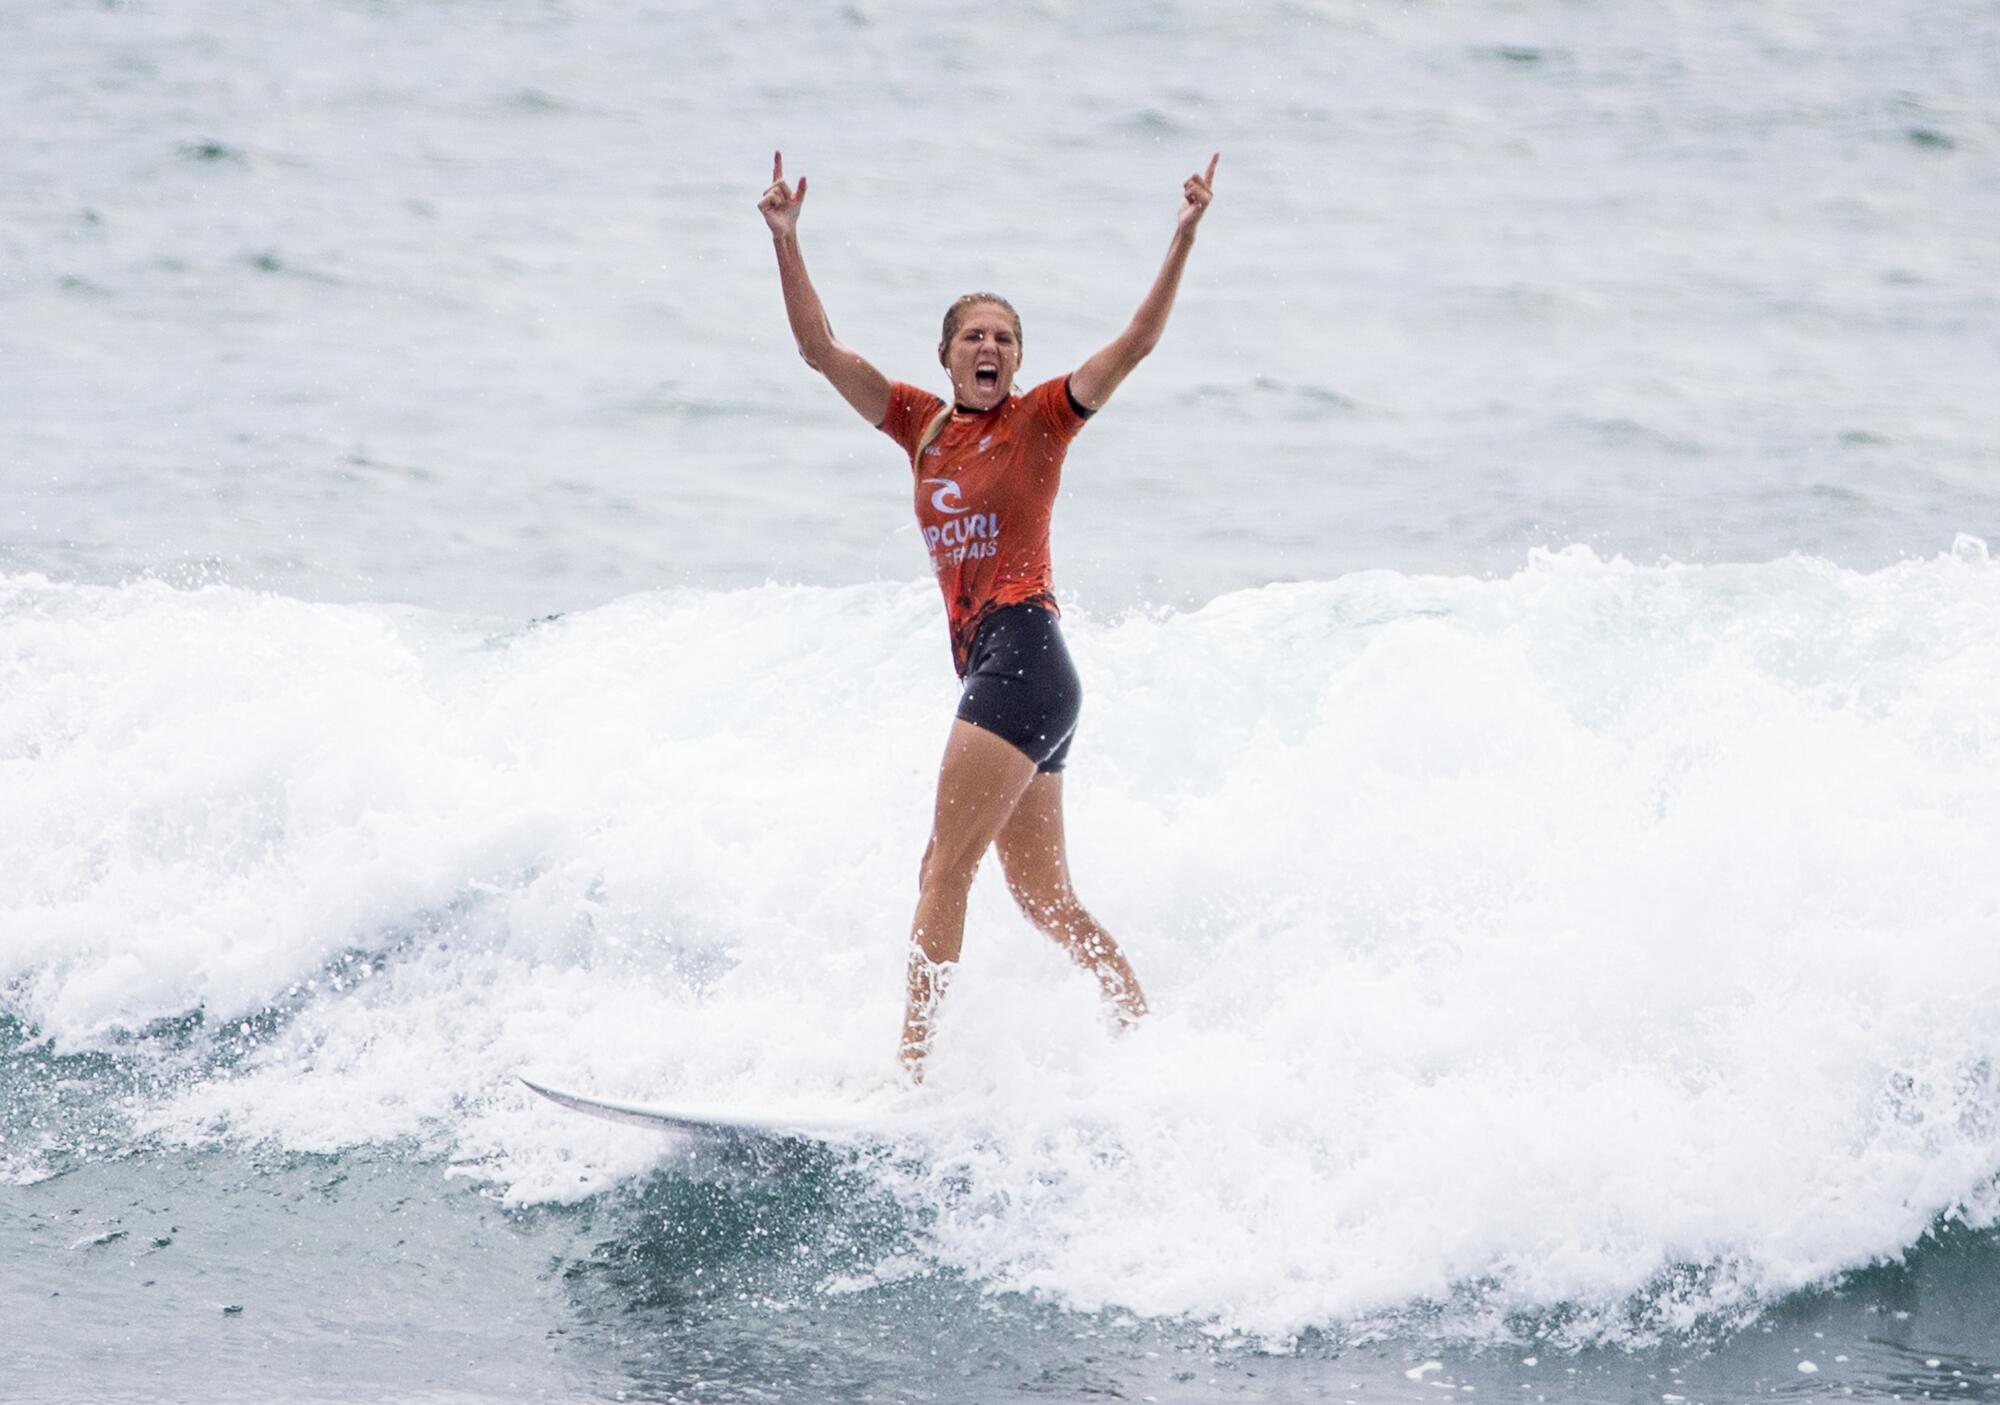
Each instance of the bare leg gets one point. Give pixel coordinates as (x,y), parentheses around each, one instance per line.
(981,779)
(1036,858)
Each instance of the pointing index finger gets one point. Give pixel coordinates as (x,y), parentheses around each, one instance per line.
(1209,179)
(777,167)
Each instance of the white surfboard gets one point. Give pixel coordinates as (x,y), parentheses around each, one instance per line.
(705,1121)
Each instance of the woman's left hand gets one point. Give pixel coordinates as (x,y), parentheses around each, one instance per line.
(1196,193)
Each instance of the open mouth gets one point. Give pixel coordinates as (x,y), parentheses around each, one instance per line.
(986,377)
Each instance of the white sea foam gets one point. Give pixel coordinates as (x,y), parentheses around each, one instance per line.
(1515,941)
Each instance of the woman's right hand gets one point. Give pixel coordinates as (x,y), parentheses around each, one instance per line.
(780,203)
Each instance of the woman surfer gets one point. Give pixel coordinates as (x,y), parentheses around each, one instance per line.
(985,469)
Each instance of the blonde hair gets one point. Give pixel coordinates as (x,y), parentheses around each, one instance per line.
(927,438)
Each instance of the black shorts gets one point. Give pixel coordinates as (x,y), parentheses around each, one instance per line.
(1021,686)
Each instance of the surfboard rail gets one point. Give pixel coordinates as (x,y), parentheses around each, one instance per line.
(700,1121)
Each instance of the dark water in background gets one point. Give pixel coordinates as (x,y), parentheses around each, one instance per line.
(1579,980)
(471,309)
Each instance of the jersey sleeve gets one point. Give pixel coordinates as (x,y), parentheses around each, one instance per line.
(1056,411)
(910,410)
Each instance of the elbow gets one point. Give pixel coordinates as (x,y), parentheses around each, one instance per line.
(818,352)
(1140,338)
(1138,348)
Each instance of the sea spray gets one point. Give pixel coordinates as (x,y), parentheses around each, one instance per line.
(1604,943)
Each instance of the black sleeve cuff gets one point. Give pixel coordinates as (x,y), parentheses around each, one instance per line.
(1083,411)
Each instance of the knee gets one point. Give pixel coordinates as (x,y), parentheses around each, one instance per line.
(943,872)
(1057,913)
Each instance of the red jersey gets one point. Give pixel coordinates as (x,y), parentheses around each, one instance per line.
(985,489)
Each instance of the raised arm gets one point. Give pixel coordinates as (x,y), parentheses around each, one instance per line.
(1096,378)
(859,383)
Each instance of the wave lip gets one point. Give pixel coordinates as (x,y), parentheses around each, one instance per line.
(1601,948)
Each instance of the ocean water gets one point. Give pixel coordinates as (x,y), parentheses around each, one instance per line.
(1542,750)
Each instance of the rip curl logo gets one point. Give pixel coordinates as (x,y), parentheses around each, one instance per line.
(946,498)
